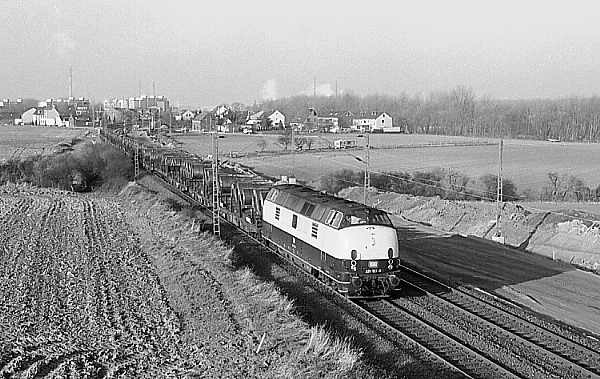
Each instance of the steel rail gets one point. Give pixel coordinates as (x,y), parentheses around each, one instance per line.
(579,360)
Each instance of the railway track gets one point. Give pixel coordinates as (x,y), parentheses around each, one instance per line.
(446,347)
(565,357)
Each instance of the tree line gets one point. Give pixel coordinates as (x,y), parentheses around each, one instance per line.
(461,112)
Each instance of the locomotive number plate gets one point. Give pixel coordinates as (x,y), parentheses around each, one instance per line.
(373,264)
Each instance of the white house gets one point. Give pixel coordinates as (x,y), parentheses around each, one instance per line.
(375,122)
(255,118)
(43,116)
(277,119)
(188,115)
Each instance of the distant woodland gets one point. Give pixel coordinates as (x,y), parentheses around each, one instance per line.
(461,112)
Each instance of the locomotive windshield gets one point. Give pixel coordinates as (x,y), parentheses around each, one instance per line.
(367,217)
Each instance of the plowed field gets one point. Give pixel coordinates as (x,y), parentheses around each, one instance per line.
(78,297)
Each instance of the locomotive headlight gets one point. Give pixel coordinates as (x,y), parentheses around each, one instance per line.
(353,254)
(390,253)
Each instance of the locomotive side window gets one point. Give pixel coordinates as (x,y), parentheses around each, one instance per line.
(330,217)
(277,213)
(307,209)
(294,221)
(334,218)
(337,219)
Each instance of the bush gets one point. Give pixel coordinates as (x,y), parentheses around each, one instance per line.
(489,186)
(342,179)
(90,167)
(447,184)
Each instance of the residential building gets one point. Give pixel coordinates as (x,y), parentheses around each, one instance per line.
(375,122)
(203,122)
(328,124)
(188,115)
(297,123)
(255,119)
(42,115)
(277,120)
(323,124)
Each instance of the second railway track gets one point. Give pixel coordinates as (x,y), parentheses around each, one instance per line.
(547,351)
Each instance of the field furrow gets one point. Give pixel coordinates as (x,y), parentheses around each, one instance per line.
(79,296)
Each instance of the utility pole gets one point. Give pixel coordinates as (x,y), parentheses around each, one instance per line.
(293,153)
(367,182)
(315,87)
(136,162)
(153,89)
(215,184)
(499,190)
(140,88)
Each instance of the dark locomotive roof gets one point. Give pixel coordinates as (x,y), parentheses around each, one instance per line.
(327,209)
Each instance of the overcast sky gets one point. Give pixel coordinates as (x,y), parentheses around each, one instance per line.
(202,53)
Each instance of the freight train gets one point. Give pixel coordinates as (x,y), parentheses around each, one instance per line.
(351,247)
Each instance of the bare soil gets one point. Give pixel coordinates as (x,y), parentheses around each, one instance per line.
(22,141)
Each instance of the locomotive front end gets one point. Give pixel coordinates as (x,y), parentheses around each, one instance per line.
(371,258)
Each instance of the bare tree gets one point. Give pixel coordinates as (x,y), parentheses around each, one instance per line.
(284,140)
(309,142)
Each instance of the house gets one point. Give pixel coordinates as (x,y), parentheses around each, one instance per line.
(328,124)
(297,123)
(255,119)
(277,120)
(42,115)
(375,122)
(345,120)
(188,115)
(203,122)
(323,124)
